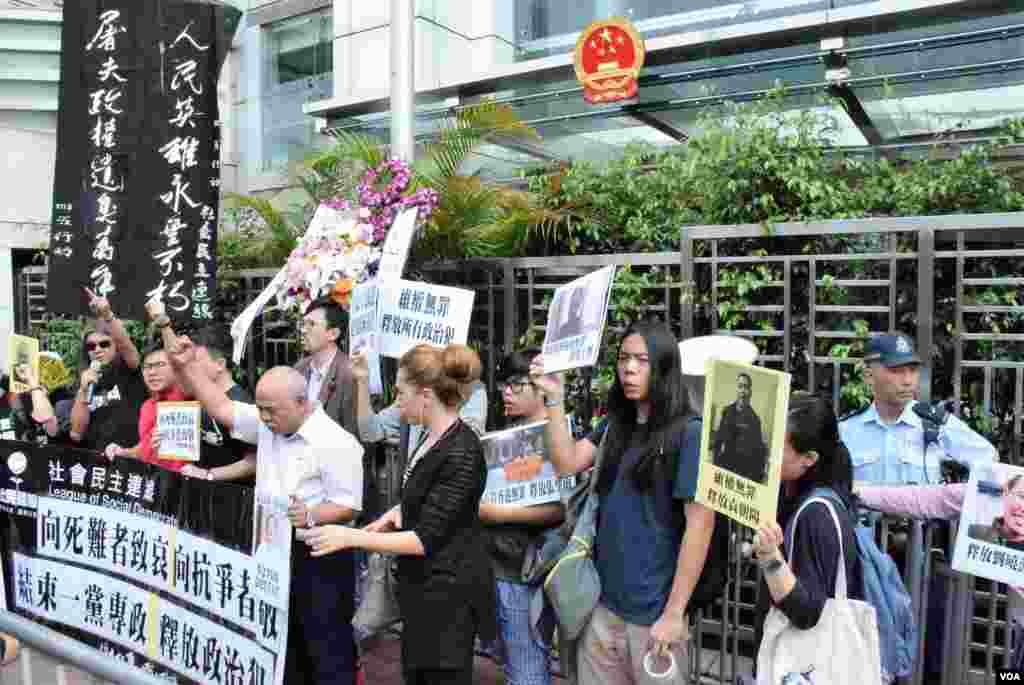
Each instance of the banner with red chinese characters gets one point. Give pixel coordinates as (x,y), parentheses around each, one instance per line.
(609,56)
(142,564)
(137,176)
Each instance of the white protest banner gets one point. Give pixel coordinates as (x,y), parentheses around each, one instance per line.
(177,424)
(243,322)
(131,617)
(990,539)
(519,468)
(412,313)
(396,245)
(362,330)
(576,321)
(123,560)
(324,218)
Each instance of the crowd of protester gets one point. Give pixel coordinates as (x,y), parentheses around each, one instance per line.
(660,555)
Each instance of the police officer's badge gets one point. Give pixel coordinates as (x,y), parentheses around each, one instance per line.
(902,345)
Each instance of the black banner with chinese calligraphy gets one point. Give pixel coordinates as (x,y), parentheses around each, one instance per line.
(137,180)
(143,564)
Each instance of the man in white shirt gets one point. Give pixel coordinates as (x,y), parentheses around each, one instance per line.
(311,467)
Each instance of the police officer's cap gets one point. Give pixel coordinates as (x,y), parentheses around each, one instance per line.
(891,350)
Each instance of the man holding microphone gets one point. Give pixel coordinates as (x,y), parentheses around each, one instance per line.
(111,392)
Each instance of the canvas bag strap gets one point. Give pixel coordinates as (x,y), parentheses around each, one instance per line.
(598,459)
(841,568)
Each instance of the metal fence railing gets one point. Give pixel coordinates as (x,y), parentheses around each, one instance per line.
(952,281)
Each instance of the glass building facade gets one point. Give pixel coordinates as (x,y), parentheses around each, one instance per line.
(893,75)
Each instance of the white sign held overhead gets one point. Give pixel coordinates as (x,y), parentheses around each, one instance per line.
(576,321)
(363,332)
(396,246)
(411,313)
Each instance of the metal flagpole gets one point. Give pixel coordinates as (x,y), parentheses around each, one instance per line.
(403,87)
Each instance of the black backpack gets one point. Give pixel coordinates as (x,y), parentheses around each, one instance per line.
(715,574)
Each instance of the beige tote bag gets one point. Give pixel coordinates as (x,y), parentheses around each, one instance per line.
(842,649)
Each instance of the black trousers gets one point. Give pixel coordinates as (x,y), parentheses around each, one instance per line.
(437,676)
(321,642)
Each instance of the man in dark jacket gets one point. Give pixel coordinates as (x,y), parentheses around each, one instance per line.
(739,442)
(326,368)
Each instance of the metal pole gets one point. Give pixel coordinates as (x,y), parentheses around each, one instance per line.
(64,649)
(403,87)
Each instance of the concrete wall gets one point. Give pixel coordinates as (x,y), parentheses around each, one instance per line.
(454,39)
(29,78)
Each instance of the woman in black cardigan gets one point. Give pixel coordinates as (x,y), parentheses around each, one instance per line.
(445,581)
(814,457)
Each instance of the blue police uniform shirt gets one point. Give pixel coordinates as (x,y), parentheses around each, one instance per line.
(891,454)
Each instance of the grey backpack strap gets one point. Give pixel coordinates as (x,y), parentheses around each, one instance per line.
(595,471)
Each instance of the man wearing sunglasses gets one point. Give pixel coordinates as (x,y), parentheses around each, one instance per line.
(111,392)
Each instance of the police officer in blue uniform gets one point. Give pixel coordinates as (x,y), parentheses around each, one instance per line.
(887,439)
(888,445)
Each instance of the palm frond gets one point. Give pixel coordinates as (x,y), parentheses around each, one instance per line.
(350,147)
(469,128)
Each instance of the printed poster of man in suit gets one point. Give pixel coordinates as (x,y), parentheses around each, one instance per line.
(740,442)
(576,311)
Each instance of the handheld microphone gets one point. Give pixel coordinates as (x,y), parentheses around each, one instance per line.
(97,367)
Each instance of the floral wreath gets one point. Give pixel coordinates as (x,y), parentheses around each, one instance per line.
(347,244)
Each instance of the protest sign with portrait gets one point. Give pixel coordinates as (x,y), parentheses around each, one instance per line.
(990,540)
(744,434)
(576,321)
(519,468)
(22,352)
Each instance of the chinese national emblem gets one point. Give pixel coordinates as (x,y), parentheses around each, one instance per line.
(609,55)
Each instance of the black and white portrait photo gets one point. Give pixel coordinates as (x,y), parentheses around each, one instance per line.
(740,440)
(576,320)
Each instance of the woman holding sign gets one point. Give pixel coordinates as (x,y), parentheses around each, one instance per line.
(445,582)
(801,582)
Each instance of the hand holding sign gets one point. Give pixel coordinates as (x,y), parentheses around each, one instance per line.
(550,385)
(24,373)
(360,367)
(297,512)
(768,542)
